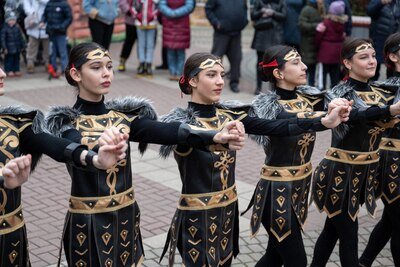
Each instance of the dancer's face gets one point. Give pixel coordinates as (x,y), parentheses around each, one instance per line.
(94,79)
(294,73)
(362,66)
(2,77)
(207,85)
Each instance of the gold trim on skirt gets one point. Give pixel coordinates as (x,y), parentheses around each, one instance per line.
(92,205)
(390,144)
(352,157)
(208,200)
(11,221)
(287,173)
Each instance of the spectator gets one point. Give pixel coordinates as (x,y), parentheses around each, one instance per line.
(347,10)
(228,20)
(270,35)
(12,43)
(329,40)
(176,33)
(291,33)
(383,24)
(101,19)
(57,17)
(309,18)
(146,25)
(34,11)
(126,7)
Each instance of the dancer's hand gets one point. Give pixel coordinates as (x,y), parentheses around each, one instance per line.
(233,134)
(334,118)
(112,148)
(16,171)
(345,104)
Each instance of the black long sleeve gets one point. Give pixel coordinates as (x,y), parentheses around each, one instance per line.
(369,114)
(47,144)
(150,131)
(282,127)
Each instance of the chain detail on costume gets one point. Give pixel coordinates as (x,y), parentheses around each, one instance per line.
(304,143)
(111,179)
(11,221)
(374,136)
(92,205)
(223,165)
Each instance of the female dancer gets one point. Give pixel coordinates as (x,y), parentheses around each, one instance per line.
(205,225)
(280,197)
(21,133)
(345,178)
(102,224)
(387,228)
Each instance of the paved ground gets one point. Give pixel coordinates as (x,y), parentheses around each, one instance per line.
(45,196)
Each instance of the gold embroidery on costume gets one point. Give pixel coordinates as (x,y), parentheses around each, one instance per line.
(106,238)
(223,165)
(111,179)
(296,105)
(3,204)
(194,254)
(304,143)
(81,238)
(12,256)
(374,135)
(81,263)
(377,96)
(124,257)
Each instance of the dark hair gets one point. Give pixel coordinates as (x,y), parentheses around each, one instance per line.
(349,49)
(77,57)
(191,64)
(392,45)
(276,52)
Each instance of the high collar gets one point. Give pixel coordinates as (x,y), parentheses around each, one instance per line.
(396,74)
(89,107)
(204,111)
(285,94)
(359,86)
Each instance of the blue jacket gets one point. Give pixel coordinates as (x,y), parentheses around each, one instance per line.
(11,39)
(57,15)
(105,11)
(176,12)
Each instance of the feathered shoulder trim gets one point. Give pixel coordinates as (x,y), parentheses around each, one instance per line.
(307,90)
(345,90)
(233,106)
(133,105)
(182,115)
(392,85)
(60,118)
(35,115)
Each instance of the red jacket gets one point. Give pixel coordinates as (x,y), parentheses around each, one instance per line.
(176,30)
(329,42)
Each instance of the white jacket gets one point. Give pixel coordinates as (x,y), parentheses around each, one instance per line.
(36,7)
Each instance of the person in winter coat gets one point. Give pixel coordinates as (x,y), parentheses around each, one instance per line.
(146,12)
(12,43)
(383,23)
(57,17)
(101,19)
(34,11)
(291,33)
(228,21)
(264,38)
(130,32)
(309,18)
(176,33)
(329,40)
(347,10)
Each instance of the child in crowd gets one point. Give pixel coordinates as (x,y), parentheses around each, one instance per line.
(12,42)
(146,24)
(57,17)
(329,40)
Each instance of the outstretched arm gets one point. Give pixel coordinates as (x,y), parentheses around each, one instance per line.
(16,171)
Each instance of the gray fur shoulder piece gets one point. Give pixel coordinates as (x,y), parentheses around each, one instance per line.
(391,84)
(130,104)
(265,106)
(309,90)
(345,90)
(233,105)
(37,116)
(60,118)
(179,115)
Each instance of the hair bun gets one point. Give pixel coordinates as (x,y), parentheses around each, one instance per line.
(184,85)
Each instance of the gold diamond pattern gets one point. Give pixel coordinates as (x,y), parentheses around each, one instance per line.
(392,186)
(280,200)
(124,257)
(294,197)
(281,222)
(12,256)
(322,176)
(338,180)
(81,263)
(353,200)
(255,218)
(369,198)
(394,167)
(81,238)
(109,262)
(320,194)
(355,181)
(258,198)
(224,242)
(194,254)
(211,251)
(213,227)
(334,198)
(106,238)
(124,234)
(192,230)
